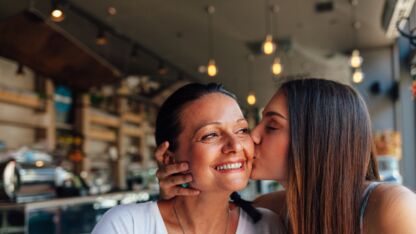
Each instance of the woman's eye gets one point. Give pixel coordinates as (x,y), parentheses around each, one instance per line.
(243,130)
(271,128)
(209,136)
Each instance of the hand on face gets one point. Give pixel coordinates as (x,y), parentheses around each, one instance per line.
(171,176)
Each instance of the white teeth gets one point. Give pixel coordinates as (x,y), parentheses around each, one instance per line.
(229,166)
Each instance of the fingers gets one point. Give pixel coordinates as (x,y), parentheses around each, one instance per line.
(170,187)
(179,191)
(175,180)
(169,170)
(161,151)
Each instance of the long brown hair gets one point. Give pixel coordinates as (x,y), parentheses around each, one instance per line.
(329,156)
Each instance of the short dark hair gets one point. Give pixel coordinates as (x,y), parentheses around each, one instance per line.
(168,125)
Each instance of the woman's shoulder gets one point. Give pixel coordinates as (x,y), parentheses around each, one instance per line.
(120,217)
(392,208)
(270,223)
(131,210)
(274,201)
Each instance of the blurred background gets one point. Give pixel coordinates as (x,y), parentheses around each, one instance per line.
(81,83)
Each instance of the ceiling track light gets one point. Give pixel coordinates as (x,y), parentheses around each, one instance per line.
(56,14)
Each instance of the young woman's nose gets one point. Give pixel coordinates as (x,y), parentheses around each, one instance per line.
(255,135)
(233,144)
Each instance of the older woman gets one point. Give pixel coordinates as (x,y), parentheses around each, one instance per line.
(315,139)
(206,128)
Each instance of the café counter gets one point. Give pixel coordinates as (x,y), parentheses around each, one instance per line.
(64,215)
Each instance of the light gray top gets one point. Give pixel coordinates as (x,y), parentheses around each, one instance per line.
(146,218)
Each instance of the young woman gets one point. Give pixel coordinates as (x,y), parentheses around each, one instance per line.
(315,139)
(206,128)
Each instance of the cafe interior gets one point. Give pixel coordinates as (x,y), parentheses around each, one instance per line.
(81,83)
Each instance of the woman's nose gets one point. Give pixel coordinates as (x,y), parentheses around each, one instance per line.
(233,144)
(255,135)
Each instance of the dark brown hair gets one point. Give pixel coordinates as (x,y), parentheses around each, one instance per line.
(168,124)
(329,156)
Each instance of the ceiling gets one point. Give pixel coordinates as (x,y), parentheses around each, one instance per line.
(177,31)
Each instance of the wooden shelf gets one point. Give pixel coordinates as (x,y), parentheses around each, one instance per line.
(64,126)
(24,100)
(29,121)
(132,118)
(132,131)
(102,135)
(104,120)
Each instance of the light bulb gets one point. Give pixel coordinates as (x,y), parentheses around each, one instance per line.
(251,98)
(356,60)
(357,76)
(101,39)
(212,68)
(57,15)
(277,67)
(268,45)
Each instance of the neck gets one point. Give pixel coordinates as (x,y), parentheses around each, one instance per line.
(194,212)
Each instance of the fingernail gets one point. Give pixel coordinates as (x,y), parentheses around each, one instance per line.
(184,166)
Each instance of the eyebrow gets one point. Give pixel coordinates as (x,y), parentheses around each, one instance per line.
(274,113)
(214,123)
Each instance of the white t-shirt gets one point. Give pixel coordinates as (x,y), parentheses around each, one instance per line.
(146,218)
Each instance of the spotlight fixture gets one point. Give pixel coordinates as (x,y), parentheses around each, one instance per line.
(101,38)
(111,10)
(56,14)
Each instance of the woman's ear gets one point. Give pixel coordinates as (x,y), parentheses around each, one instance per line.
(168,158)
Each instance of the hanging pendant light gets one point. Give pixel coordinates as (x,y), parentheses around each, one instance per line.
(356,60)
(212,69)
(56,14)
(277,66)
(268,45)
(357,76)
(251,98)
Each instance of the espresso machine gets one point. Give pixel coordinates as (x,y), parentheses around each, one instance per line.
(26,176)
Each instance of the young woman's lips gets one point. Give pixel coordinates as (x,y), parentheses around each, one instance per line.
(230,167)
